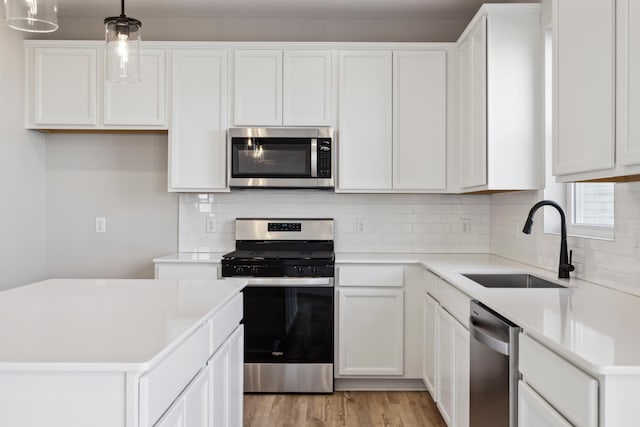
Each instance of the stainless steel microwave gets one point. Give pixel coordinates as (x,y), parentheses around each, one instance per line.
(281,158)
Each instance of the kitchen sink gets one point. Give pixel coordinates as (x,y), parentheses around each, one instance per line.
(511,280)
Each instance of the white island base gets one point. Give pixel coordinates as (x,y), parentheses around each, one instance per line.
(130,353)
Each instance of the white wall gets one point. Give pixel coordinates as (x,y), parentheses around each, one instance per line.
(612,263)
(392,222)
(122,177)
(22,175)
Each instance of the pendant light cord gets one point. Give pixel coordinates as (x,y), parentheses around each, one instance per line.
(122,9)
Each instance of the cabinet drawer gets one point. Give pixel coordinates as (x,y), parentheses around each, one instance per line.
(371,275)
(160,386)
(186,271)
(573,393)
(224,322)
(431,284)
(454,301)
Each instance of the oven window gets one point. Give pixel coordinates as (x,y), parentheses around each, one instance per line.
(269,157)
(288,324)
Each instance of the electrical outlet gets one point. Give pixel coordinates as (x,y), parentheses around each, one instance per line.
(211,225)
(465,225)
(361,226)
(101,224)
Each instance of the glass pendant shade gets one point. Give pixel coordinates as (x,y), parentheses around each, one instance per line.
(34,16)
(123,49)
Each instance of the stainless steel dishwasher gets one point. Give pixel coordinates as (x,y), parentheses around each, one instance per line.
(494,369)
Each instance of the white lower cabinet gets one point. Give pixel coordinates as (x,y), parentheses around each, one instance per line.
(446,350)
(371,331)
(460,375)
(444,373)
(226,382)
(569,390)
(214,396)
(371,317)
(192,409)
(534,411)
(430,336)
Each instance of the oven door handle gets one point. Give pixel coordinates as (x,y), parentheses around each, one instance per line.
(320,282)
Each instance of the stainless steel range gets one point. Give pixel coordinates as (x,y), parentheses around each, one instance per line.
(288,303)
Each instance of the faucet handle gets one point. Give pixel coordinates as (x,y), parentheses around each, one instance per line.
(570,266)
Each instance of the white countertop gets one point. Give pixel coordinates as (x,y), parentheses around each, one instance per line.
(106,325)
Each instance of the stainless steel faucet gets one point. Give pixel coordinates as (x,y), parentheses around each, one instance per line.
(565,265)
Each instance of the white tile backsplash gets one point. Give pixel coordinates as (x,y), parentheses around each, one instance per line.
(611,263)
(429,223)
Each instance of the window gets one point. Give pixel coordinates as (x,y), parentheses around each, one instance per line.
(590,209)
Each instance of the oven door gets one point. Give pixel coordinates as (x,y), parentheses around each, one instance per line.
(289,320)
(273,161)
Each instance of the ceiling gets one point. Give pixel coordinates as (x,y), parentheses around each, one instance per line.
(295,9)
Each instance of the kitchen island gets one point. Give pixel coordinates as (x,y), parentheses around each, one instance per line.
(131,353)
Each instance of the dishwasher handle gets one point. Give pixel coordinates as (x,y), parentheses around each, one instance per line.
(485,337)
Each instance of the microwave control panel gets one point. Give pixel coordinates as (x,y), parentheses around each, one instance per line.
(324,157)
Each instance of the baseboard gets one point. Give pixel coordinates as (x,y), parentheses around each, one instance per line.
(379,384)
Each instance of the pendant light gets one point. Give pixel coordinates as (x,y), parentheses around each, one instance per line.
(123,48)
(34,16)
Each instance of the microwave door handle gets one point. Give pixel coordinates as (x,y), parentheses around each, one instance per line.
(314,158)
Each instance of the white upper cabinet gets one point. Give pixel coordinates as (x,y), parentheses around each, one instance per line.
(306,97)
(628,83)
(276,88)
(66,89)
(501,138)
(365,120)
(419,120)
(140,103)
(596,52)
(62,86)
(473,112)
(197,135)
(258,87)
(392,121)
(584,64)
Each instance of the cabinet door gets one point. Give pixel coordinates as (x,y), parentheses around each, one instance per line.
(197,138)
(461,375)
(226,380)
(306,97)
(473,108)
(444,374)
(628,82)
(584,86)
(258,88)
(534,411)
(64,86)
(197,400)
(429,343)
(371,331)
(140,104)
(419,120)
(365,120)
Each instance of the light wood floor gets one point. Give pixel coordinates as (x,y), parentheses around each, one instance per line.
(352,409)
